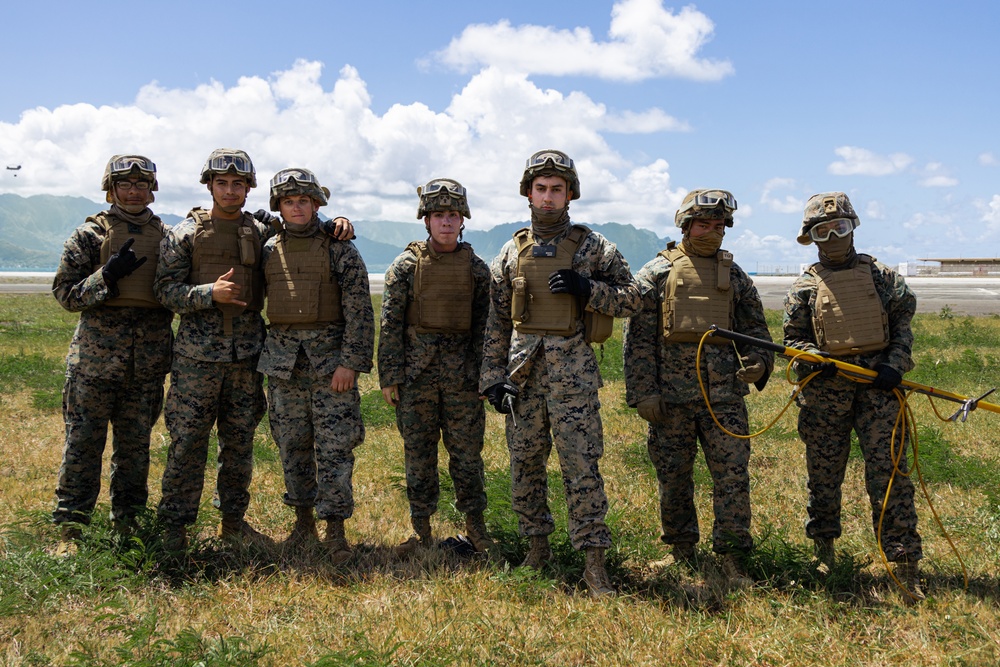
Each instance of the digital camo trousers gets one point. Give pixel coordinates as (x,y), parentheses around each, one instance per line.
(316,430)
(573,422)
(226,394)
(89,405)
(833,410)
(672,448)
(432,409)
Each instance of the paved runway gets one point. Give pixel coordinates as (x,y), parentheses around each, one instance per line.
(963,296)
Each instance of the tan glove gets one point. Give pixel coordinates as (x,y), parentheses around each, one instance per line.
(753,368)
(651,410)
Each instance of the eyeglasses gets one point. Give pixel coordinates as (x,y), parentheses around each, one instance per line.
(223,163)
(710,199)
(436,186)
(300,176)
(559,160)
(128,185)
(839,226)
(126,163)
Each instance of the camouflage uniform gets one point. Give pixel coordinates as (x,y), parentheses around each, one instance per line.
(114,373)
(436,374)
(315,427)
(559,378)
(654,367)
(831,408)
(214,380)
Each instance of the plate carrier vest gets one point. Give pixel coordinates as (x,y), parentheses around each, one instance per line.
(442,290)
(137,288)
(534,308)
(220,245)
(849,317)
(302,292)
(696,296)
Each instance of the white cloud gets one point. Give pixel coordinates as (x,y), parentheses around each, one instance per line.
(645,41)
(988,160)
(991,213)
(863,162)
(778,203)
(935,177)
(371,162)
(875,210)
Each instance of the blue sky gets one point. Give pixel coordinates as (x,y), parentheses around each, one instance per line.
(773,100)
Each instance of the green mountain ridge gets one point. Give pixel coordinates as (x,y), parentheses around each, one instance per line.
(34,228)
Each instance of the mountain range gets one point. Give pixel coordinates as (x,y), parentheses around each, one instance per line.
(33,229)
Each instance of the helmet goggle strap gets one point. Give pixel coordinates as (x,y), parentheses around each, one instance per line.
(127,163)
(841,227)
(293,175)
(558,160)
(436,186)
(224,163)
(711,199)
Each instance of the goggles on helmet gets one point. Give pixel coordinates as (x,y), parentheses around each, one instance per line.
(300,176)
(710,199)
(558,160)
(123,165)
(224,163)
(841,227)
(436,186)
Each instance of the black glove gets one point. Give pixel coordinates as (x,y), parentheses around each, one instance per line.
(121,264)
(267,218)
(497,396)
(568,281)
(826,370)
(888,379)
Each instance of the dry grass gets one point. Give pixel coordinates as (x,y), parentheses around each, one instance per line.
(118,604)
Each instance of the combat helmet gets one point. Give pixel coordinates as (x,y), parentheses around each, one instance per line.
(550,162)
(706,204)
(822,207)
(120,167)
(225,160)
(442,194)
(295,181)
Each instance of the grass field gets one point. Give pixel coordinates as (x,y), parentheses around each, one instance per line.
(118,602)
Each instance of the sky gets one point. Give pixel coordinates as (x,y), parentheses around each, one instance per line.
(894,102)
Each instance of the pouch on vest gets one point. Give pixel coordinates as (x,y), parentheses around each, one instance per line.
(849,317)
(597,327)
(696,296)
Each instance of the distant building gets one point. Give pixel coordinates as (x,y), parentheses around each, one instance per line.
(963,266)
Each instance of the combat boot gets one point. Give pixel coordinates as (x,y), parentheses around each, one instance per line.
(421,537)
(595,575)
(908,573)
(539,554)
(235,529)
(683,553)
(69,535)
(732,570)
(335,542)
(125,527)
(475,529)
(823,551)
(304,529)
(175,538)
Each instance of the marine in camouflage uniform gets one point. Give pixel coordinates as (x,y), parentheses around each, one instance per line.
(429,355)
(312,356)
(549,382)
(120,350)
(661,379)
(831,407)
(214,377)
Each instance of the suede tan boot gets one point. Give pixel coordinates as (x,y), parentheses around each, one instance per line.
(421,538)
(595,575)
(824,552)
(475,530)
(304,529)
(69,535)
(908,574)
(539,554)
(335,542)
(235,529)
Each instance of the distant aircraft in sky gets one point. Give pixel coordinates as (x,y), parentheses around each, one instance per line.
(15,168)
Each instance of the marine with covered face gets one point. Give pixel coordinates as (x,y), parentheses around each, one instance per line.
(552,285)
(434,309)
(321,335)
(209,273)
(686,289)
(858,310)
(120,350)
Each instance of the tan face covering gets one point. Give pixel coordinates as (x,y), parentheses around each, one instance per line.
(836,250)
(705,245)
